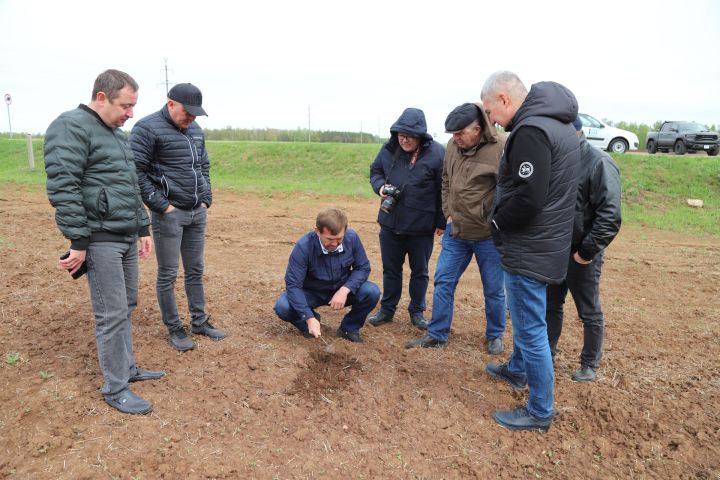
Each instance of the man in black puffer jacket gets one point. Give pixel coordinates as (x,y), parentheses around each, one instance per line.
(532,223)
(174,175)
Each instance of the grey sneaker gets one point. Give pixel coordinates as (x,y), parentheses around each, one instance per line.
(127,402)
(179,340)
(142,374)
(495,346)
(584,374)
(209,331)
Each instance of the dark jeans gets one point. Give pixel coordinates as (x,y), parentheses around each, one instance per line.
(393,249)
(113,280)
(362,304)
(180,233)
(583,281)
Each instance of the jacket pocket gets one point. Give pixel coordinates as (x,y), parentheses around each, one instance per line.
(165,186)
(102,204)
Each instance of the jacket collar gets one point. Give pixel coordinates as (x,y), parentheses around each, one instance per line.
(92,112)
(165,114)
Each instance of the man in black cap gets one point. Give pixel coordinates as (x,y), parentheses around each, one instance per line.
(468,190)
(174,175)
(597,222)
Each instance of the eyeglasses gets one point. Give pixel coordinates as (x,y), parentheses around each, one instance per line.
(406,138)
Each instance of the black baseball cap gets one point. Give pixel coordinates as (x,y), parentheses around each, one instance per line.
(190,97)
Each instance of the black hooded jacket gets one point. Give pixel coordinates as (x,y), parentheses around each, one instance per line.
(419,210)
(537,185)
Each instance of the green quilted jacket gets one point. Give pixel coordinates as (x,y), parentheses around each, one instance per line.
(91,180)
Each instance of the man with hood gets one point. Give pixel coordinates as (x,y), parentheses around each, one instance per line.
(407,174)
(532,222)
(468,189)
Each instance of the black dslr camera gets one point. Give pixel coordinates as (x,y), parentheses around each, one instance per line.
(393,196)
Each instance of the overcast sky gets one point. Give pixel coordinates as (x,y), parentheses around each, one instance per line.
(359,64)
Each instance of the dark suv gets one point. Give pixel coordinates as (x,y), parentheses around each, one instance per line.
(683,137)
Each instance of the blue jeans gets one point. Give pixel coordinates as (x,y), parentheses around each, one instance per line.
(180,233)
(393,249)
(361,302)
(454,258)
(583,281)
(531,357)
(113,281)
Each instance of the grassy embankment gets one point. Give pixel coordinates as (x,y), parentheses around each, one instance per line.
(655,187)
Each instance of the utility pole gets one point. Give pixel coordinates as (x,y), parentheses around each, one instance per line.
(167,82)
(31,155)
(308,134)
(361,132)
(8,101)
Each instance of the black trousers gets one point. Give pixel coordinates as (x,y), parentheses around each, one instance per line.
(393,249)
(583,281)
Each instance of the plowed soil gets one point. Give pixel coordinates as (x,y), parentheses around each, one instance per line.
(266,403)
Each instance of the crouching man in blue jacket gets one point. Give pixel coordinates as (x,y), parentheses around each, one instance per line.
(328,266)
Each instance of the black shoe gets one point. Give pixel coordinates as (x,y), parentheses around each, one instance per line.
(142,374)
(379,318)
(127,402)
(500,372)
(584,374)
(418,320)
(352,336)
(179,340)
(209,331)
(426,341)
(521,419)
(495,346)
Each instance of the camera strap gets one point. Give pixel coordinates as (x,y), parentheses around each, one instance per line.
(414,157)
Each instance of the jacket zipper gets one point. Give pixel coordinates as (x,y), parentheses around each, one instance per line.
(194,155)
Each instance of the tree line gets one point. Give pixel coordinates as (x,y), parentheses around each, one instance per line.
(299,135)
(333,136)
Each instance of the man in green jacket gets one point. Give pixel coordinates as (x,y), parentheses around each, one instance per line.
(92,184)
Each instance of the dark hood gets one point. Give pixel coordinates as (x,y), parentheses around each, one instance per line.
(547,99)
(412,122)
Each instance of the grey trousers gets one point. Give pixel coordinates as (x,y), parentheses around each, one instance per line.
(113,281)
(180,234)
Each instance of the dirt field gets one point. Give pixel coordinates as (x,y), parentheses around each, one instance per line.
(266,403)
